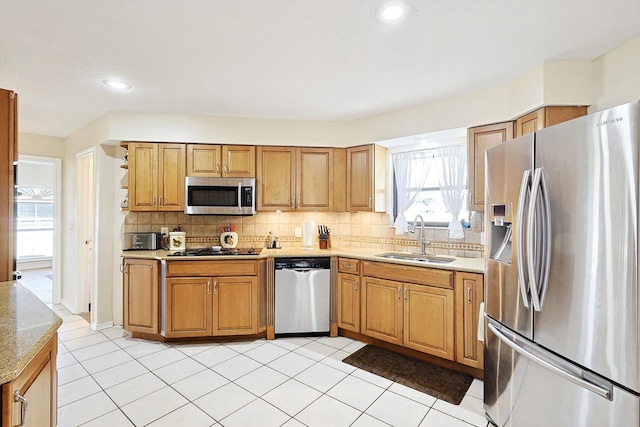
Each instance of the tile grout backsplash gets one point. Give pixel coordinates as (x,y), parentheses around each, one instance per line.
(348,230)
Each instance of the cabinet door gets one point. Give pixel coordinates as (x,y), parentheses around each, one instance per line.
(171,160)
(547,116)
(382,309)
(314,179)
(188,307)
(428,320)
(37,384)
(349,302)
(143,172)
(9,154)
(239,161)
(360,178)
(276,178)
(204,160)
(141,295)
(480,139)
(469,294)
(235,305)
(530,123)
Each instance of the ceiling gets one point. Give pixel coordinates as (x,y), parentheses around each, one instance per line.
(328,60)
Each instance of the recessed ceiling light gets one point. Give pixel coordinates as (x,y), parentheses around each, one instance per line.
(116,84)
(393,11)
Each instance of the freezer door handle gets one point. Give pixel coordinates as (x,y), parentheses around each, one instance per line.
(546,244)
(552,362)
(520,241)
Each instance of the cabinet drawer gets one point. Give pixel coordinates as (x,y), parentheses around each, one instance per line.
(405,273)
(211,268)
(348,265)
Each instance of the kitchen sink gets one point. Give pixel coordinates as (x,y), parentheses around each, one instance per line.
(416,257)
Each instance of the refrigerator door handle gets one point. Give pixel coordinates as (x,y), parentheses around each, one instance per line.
(539,284)
(546,244)
(520,241)
(531,238)
(551,362)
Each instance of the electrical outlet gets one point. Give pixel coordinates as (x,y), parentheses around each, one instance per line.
(298,232)
(164,231)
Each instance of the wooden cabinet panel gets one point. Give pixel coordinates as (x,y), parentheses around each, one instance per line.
(469,290)
(188,307)
(348,265)
(171,177)
(239,161)
(211,268)
(480,139)
(143,172)
(276,178)
(429,320)
(545,117)
(366,178)
(349,302)
(38,384)
(382,309)
(204,160)
(314,179)
(235,305)
(419,275)
(141,295)
(9,154)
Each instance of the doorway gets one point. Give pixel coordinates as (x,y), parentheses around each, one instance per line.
(85,209)
(38,225)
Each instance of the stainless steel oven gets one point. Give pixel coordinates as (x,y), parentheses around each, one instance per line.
(220,196)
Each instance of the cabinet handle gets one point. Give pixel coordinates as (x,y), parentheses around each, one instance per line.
(209,288)
(23,402)
(369,201)
(293,202)
(298,202)
(160,201)
(217,168)
(470,199)
(215,287)
(347,266)
(225,169)
(469,294)
(405,294)
(356,285)
(398,293)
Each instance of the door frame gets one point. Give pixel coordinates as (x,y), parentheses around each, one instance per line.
(81,297)
(56,266)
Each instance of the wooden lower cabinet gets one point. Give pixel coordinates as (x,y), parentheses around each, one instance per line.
(382,309)
(349,302)
(188,309)
(141,279)
(429,320)
(469,294)
(235,305)
(38,385)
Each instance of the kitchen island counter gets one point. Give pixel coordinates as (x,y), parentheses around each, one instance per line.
(26,325)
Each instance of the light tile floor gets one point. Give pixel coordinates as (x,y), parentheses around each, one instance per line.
(107,379)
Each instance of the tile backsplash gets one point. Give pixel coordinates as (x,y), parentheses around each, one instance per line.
(348,229)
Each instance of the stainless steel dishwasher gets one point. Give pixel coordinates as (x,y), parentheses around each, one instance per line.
(302,295)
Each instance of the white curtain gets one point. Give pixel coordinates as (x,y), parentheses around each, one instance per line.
(411,172)
(452,178)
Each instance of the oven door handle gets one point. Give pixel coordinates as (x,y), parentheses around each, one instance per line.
(240,196)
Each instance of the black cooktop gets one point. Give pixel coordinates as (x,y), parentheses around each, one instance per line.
(211,252)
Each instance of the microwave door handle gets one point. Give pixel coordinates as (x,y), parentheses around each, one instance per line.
(240,196)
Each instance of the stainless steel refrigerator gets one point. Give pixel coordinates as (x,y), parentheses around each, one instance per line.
(562,297)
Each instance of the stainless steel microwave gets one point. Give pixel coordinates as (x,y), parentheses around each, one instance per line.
(220,196)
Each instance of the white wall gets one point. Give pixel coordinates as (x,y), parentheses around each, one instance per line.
(616,76)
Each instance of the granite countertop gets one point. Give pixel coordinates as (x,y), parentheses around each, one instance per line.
(471,265)
(26,324)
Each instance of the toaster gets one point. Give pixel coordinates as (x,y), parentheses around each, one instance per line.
(141,241)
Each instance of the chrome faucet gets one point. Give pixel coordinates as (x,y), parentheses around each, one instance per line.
(423,242)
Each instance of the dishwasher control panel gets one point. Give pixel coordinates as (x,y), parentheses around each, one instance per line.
(302,263)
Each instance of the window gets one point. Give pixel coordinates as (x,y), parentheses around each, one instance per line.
(34,223)
(429,201)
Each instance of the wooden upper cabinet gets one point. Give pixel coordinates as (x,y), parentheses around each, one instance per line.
(300,179)
(314,179)
(276,178)
(232,161)
(156,176)
(366,178)
(480,139)
(545,117)
(9,151)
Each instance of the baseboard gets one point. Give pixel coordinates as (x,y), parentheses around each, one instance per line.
(101,326)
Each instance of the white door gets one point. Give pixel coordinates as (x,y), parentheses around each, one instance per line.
(85,227)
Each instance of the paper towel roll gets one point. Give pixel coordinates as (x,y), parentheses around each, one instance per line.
(308,233)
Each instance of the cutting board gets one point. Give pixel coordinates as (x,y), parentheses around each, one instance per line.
(229,239)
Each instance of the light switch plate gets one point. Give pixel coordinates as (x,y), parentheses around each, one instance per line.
(298,232)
